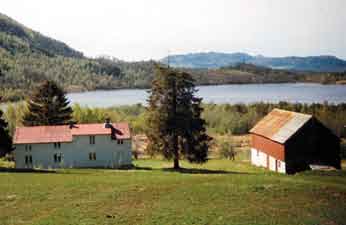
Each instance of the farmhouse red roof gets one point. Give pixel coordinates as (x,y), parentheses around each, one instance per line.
(63,133)
(279,125)
(42,134)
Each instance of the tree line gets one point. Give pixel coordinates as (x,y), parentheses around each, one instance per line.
(221,118)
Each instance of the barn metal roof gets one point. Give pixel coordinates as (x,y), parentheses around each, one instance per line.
(279,125)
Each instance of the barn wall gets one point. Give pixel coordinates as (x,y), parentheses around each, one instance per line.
(267,146)
(312,144)
(272,163)
(259,158)
(76,154)
(281,166)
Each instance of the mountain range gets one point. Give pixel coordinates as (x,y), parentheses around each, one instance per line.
(213,60)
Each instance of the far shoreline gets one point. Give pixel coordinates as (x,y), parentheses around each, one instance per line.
(77,92)
(205,85)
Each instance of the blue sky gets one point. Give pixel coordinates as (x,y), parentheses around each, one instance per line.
(141,30)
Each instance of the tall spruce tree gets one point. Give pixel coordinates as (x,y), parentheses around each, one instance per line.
(5,139)
(174,126)
(47,105)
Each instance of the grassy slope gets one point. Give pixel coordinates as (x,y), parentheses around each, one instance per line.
(238,194)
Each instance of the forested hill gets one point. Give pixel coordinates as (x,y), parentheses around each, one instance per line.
(14,37)
(28,57)
(214,60)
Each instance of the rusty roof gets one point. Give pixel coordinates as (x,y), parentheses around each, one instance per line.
(279,125)
(63,133)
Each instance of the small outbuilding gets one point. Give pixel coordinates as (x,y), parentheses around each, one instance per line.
(289,142)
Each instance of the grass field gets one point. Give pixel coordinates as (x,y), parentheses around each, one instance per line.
(219,192)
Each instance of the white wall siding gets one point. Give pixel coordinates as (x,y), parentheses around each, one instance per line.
(259,158)
(281,167)
(272,163)
(76,154)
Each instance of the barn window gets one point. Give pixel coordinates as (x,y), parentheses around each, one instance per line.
(57,145)
(120,142)
(92,140)
(92,155)
(58,157)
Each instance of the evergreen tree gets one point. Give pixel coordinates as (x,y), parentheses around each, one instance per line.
(175,126)
(5,139)
(47,105)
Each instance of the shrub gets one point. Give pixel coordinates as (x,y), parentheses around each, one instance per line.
(227,150)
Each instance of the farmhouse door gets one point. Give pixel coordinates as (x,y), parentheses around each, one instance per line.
(117,158)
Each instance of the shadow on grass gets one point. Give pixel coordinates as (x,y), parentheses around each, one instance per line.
(200,171)
(128,168)
(17,170)
(321,173)
(188,170)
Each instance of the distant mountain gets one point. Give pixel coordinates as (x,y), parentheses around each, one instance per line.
(215,60)
(206,60)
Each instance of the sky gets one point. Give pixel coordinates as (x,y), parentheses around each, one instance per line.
(150,29)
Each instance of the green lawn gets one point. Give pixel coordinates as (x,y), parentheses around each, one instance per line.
(219,192)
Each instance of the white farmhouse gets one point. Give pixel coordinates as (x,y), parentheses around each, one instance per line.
(73,146)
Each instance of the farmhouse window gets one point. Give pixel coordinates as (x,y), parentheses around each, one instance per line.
(92,156)
(58,157)
(279,163)
(57,145)
(257,153)
(120,142)
(27,147)
(28,159)
(92,140)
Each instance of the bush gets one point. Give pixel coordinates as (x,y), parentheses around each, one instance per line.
(227,150)
(343,149)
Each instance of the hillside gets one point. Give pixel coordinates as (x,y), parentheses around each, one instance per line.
(214,60)
(15,38)
(28,57)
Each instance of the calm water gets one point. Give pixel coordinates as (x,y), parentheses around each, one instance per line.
(248,93)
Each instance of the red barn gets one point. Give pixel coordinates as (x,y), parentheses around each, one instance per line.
(290,142)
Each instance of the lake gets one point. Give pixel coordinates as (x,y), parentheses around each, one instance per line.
(244,93)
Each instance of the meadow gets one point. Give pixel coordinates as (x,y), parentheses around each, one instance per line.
(219,192)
